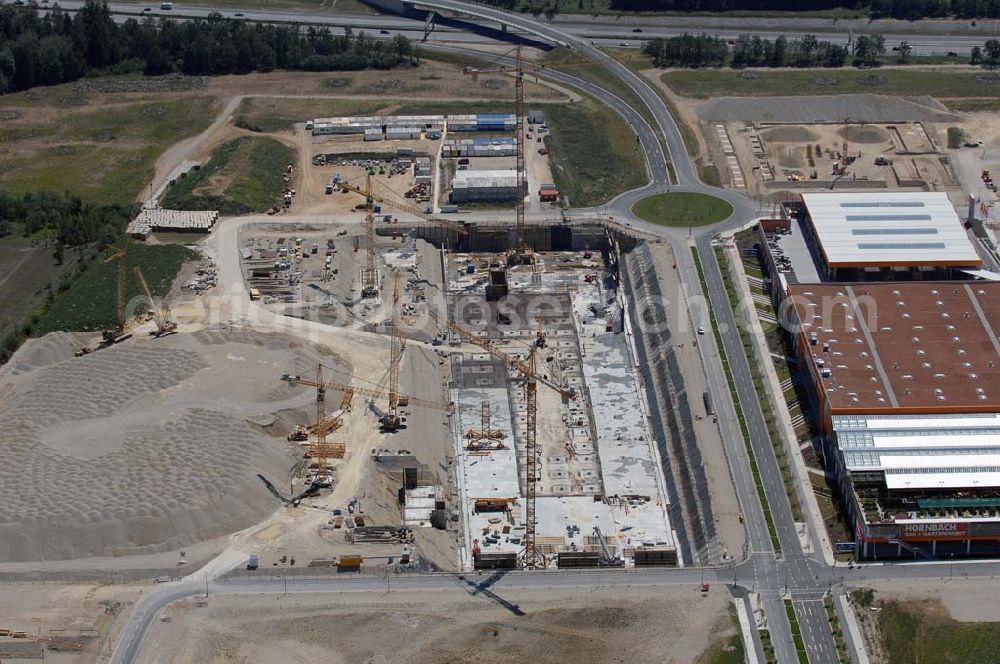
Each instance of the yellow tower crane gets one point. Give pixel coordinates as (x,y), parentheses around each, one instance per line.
(117,255)
(392,421)
(523,252)
(527,370)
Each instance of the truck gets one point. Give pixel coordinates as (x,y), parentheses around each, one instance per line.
(449,209)
(349,563)
(167,6)
(253,562)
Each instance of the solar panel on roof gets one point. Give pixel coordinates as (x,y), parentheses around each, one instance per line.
(887,217)
(877,204)
(901,245)
(894,231)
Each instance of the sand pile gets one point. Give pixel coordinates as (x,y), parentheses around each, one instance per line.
(790,134)
(867,134)
(35,353)
(143,447)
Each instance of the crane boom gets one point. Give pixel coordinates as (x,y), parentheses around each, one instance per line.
(119,255)
(403,207)
(163,325)
(404,399)
(392,420)
(522,367)
(528,370)
(523,252)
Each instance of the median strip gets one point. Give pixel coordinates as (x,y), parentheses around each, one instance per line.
(739,409)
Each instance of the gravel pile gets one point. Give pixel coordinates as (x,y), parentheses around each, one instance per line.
(142,447)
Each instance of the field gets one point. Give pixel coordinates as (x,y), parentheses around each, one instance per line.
(102,151)
(703,84)
(924,632)
(271,114)
(594,154)
(89,304)
(26,270)
(543,626)
(682,209)
(243,176)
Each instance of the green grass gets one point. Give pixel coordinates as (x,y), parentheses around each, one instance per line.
(682,209)
(103,154)
(243,176)
(838,634)
(571,63)
(593,152)
(800,647)
(911,633)
(971,105)
(456,108)
(270,114)
(754,468)
(767,646)
(89,303)
(702,84)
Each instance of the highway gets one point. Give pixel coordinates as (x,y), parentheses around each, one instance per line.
(603,31)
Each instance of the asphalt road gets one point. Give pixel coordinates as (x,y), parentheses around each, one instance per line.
(605,31)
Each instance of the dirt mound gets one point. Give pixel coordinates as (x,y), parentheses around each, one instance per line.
(790,134)
(867,134)
(143,447)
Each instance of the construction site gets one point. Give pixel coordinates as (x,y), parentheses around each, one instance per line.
(372,380)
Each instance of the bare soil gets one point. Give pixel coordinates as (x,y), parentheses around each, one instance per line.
(584,626)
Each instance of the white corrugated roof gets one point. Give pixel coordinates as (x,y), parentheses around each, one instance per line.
(941,480)
(485,179)
(941,461)
(922,422)
(887,228)
(936,441)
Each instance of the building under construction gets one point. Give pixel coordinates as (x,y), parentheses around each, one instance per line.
(601,496)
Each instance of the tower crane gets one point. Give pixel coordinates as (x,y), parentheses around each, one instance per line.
(402,400)
(161,317)
(522,254)
(528,370)
(392,421)
(319,450)
(485,438)
(369,287)
(117,255)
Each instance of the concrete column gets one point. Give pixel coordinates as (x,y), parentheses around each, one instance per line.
(934,547)
(968,546)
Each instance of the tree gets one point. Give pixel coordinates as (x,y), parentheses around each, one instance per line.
(157,62)
(780,52)
(992,47)
(904,49)
(977,56)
